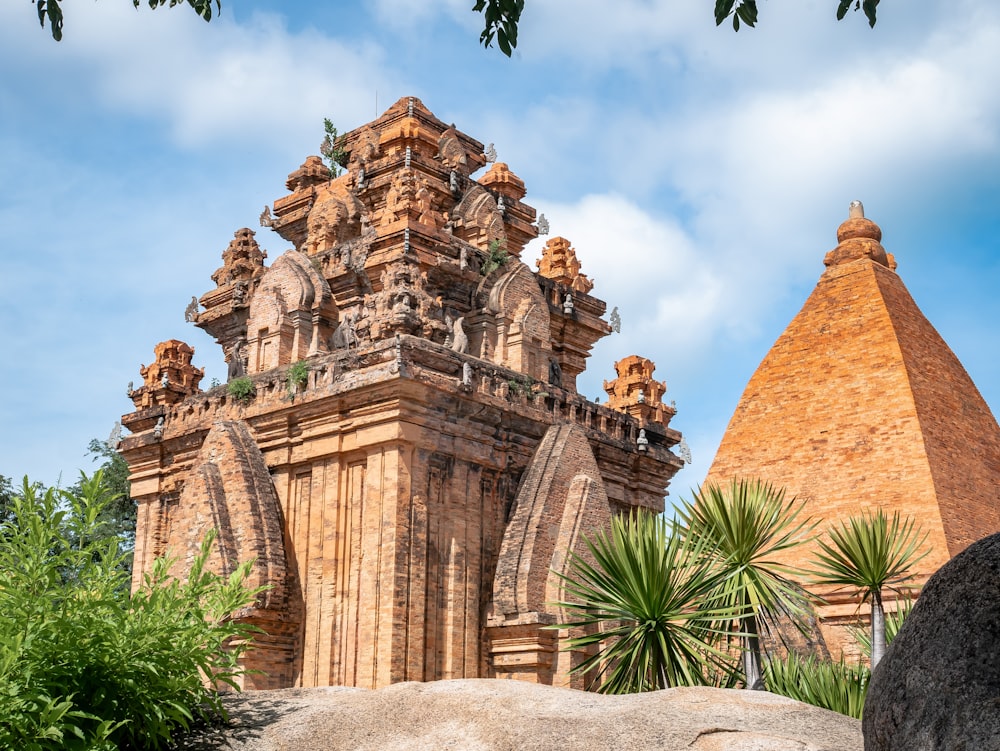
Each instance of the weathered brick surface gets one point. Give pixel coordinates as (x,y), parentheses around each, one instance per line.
(377,496)
(860,404)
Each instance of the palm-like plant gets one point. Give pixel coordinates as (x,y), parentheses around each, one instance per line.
(837,686)
(868,553)
(739,528)
(643,603)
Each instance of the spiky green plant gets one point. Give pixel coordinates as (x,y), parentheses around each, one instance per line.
(837,686)
(869,553)
(739,528)
(643,604)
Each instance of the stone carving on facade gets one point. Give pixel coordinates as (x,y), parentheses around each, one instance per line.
(335,218)
(364,145)
(425,206)
(399,198)
(345,336)
(265,219)
(459,340)
(451,152)
(237,359)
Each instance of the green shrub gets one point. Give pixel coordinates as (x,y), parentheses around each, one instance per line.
(298,375)
(241,389)
(83,665)
(837,686)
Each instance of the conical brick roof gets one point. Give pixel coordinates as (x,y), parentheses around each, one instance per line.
(861,404)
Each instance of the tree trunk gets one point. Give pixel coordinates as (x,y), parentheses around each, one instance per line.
(878,628)
(751,656)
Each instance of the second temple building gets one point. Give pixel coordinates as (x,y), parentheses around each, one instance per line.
(401,448)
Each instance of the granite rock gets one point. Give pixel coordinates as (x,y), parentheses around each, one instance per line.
(938,686)
(504,715)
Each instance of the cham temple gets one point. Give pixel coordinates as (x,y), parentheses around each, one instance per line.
(406,459)
(860,405)
(402,451)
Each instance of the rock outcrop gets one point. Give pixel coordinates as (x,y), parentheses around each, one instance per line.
(938,686)
(499,715)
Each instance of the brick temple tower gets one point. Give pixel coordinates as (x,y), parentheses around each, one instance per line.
(401,446)
(860,404)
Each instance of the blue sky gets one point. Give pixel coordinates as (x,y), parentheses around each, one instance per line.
(700,174)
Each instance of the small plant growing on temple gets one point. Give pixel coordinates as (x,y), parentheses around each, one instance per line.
(298,375)
(241,389)
(332,148)
(496,256)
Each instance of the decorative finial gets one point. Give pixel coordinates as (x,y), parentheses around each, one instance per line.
(543,225)
(266,220)
(115,439)
(616,320)
(685,451)
(191,311)
(409,107)
(856,210)
(642,443)
(490,153)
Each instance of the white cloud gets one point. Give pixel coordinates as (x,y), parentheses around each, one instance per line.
(256,82)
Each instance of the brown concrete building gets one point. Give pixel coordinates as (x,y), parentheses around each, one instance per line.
(860,404)
(408,460)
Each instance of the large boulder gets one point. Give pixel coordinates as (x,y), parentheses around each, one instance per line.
(938,686)
(506,715)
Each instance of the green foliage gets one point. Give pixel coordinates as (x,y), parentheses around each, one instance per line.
(242,389)
(496,256)
(870,8)
(298,375)
(332,148)
(119,516)
(643,607)
(870,552)
(83,666)
(746,12)
(501,18)
(51,10)
(740,528)
(837,686)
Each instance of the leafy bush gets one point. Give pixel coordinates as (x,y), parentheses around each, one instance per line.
(298,376)
(241,389)
(83,665)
